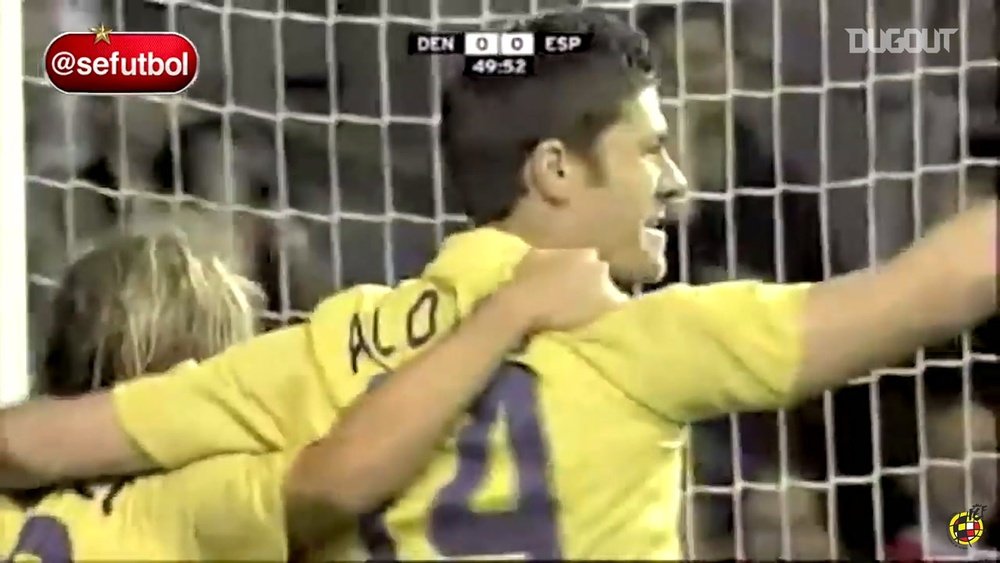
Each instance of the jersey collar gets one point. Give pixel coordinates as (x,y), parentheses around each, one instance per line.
(475,263)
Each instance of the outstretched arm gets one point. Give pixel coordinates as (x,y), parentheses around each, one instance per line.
(942,285)
(386,438)
(49,440)
(249,399)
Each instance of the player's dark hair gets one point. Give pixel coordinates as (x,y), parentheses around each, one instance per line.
(491,124)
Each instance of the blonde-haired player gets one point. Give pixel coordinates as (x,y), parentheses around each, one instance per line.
(143,303)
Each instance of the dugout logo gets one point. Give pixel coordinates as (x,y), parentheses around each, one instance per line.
(106,62)
(966,528)
(897,40)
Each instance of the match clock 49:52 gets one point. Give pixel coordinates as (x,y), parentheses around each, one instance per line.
(498,66)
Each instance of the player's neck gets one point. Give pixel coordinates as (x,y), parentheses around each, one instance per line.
(537,233)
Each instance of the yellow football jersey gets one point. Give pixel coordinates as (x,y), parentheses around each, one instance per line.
(575,449)
(224,509)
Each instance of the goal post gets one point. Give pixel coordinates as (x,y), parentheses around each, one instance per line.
(13,213)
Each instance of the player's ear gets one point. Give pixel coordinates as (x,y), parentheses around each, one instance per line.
(549,172)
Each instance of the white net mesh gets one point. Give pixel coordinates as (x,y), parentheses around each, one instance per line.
(313,134)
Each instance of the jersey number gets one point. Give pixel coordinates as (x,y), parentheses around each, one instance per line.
(45,539)
(455,530)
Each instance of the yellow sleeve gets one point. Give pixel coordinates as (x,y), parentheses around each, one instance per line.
(264,395)
(693,352)
(232,507)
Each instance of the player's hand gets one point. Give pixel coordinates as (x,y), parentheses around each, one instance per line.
(562,289)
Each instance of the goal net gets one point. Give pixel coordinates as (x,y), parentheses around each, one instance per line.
(309,140)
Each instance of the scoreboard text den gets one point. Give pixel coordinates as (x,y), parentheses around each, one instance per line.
(493,53)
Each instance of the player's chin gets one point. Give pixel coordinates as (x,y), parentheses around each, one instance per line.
(647,268)
(654,250)
(654,270)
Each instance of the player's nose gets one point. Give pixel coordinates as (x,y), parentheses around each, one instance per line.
(672,195)
(673,180)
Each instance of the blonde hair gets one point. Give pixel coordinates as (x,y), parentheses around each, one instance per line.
(138,304)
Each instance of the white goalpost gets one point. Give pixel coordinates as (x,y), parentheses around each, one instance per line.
(13,214)
(876,144)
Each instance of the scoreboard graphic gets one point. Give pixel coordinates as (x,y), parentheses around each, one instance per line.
(495,53)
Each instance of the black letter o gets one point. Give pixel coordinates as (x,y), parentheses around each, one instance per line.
(430,298)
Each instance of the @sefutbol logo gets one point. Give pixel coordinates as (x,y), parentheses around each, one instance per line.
(107,62)
(966,528)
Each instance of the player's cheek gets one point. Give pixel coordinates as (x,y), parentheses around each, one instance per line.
(646,182)
(650,171)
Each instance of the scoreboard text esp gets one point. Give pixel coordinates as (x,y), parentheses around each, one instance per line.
(497,49)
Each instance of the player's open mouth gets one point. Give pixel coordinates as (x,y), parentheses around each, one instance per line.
(657,220)
(654,240)
(673,206)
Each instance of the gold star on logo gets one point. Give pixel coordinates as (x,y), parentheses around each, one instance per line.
(101,33)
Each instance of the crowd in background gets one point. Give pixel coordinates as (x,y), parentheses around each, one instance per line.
(311,136)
